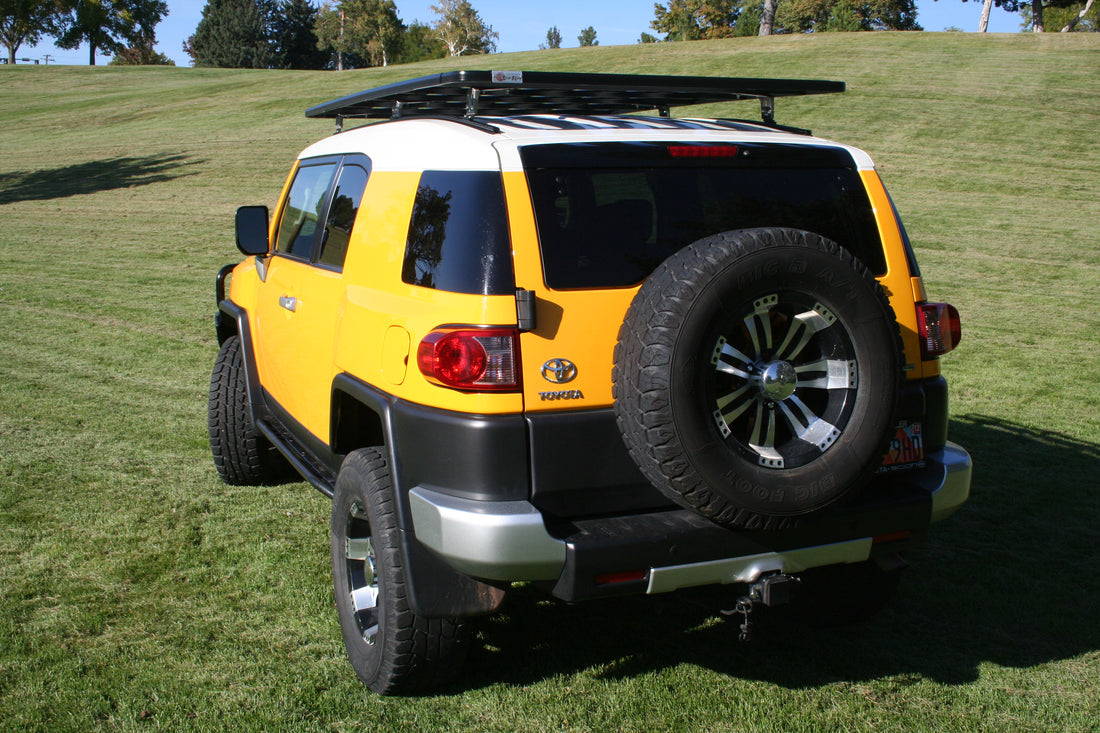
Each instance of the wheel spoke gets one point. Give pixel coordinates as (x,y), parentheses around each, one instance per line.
(741,399)
(729,360)
(358,548)
(762,439)
(761,313)
(808,426)
(802,329)
(364,598)
(828,374)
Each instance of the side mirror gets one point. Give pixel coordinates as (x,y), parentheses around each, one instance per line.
(252,230)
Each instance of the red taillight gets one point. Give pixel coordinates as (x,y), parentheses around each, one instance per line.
(483,359)
(627,576)
(702,151)
(940,329)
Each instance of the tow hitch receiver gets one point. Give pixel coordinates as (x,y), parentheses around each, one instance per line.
(771,590)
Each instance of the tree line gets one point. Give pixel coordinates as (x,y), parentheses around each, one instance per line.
(342,34)
(125,29)
(295,34)
(690,20)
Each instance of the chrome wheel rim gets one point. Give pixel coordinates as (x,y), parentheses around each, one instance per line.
(360,560)
(781,379)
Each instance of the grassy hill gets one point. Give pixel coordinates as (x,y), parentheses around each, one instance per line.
(137,592)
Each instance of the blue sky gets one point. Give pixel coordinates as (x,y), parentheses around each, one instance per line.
(522,25)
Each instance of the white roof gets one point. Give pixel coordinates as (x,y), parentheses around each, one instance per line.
(418,144)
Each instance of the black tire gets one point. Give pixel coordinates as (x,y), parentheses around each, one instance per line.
(392,649)
(242,455)
(757,376)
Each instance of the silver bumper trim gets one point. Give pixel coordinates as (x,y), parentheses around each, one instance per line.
(749,568)
(950,488)
(495,540)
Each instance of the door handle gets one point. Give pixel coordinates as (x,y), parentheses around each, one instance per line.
(288,302)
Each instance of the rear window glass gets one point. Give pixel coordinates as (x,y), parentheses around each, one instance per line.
(458,235)
(609,214)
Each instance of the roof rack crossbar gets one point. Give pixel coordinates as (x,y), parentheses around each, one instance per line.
(512,93)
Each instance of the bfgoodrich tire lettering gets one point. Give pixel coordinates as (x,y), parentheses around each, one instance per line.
(392,649)
(757,375)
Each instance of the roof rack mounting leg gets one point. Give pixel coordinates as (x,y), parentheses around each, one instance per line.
(339,124)
(396,109)
(767,110)
(664,111)
(472,96)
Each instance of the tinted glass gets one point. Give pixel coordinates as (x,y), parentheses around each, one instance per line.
(341,214)
(612,222)
(458,235)
(298,225)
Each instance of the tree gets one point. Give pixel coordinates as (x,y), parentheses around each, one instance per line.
(291,31)
(767,17)
(648,38)
(25,21)
(368,28)
(843,18)
(462,30)
(1083,15)
(232,34)
(692,20)
(588,37)
(553,39)
(108,26)
(418,43)
(1037,12)
(141,55)
(748,20)
(806,16)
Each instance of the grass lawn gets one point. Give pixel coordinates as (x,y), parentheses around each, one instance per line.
(139,593)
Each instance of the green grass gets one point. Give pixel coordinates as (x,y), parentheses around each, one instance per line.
(139,593)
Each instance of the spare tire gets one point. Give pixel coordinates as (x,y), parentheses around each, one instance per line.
(757,375)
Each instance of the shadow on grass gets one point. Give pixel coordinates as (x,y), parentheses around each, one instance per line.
(1010,580)
(91,177)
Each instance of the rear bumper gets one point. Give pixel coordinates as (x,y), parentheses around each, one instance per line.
(661,551)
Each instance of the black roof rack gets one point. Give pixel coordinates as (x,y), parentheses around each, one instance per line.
(509,93)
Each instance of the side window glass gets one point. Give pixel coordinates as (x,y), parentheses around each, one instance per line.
(458,235)
(302,213)
(341,215)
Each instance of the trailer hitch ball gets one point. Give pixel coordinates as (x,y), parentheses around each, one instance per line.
(776,589)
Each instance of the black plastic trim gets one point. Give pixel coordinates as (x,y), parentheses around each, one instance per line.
(611,545)
(425,446)
(482,457)
(580,466)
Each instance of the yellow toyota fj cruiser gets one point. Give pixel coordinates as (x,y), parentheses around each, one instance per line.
(522,333)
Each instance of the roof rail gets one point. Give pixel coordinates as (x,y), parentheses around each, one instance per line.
(508,93)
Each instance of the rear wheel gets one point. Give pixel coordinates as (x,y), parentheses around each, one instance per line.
(391,648)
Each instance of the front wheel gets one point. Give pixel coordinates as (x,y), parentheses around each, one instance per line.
(391,648)
(242,455)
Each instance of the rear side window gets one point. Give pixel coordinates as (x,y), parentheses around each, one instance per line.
(458,235)
(609,214)
(341,215)
(302,212)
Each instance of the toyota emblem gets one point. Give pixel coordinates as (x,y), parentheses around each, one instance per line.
(559,371)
